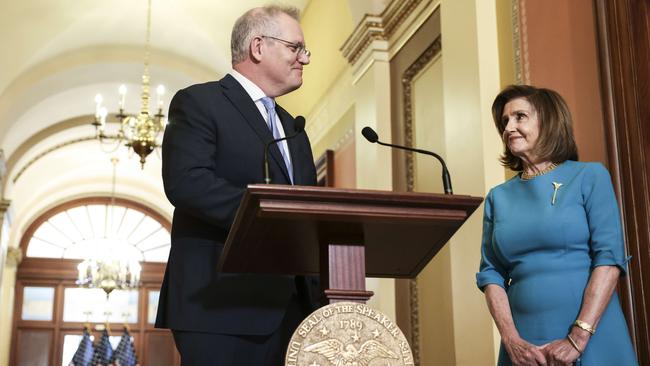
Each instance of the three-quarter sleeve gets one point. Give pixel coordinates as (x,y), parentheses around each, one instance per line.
(490,270)
(606,236)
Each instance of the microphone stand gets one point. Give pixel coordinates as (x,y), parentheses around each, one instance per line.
(446,178)
(299,128)
(372,137)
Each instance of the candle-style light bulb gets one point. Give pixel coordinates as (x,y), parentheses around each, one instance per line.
(103,112)
(82,269)
(160,91)
(122,92)
(98,104)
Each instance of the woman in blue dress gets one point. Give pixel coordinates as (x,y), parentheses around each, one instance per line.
(552,249)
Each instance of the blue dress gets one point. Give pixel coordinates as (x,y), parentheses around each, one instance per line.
(542,253)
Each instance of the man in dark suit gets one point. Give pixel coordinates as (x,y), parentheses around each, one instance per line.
(213,147)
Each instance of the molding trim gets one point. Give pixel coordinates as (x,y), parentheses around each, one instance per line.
(38,137)
(430,54)
(516,39)
(520,38)
(377,28)
(407,82)
(57,147)
(414,304)
(47,151)
(349,134)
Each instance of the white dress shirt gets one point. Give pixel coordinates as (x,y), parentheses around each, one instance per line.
(256,95)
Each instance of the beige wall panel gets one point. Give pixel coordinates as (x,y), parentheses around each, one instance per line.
(345,165)
(335,133)
(428,127)
(6,311)
(400,63)
(434,282)
(374,163)
(437,342)
(470,64)
(326,25)
(373,109)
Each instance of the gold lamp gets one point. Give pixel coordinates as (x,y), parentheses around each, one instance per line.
(139,132)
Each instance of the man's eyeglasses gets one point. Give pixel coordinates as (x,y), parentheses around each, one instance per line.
(297,48)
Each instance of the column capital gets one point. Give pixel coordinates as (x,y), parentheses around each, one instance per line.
(14,256)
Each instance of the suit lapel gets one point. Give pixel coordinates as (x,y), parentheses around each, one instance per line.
(245,105)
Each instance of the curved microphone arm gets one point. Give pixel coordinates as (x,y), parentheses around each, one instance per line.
(446,178)
(299,128)
(372,137)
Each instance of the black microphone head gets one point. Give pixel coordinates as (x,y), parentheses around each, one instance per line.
(370,134)
(299,124)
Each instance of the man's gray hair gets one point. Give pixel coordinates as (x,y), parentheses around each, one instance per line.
(256,22)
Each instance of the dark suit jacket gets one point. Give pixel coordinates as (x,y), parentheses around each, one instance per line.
(213,147)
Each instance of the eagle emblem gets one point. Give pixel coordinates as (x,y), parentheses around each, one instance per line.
(339,354)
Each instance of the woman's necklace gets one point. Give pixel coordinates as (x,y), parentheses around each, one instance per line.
(526,176)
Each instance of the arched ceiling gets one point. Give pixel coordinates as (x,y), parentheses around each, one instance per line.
(198,30)
(58,54)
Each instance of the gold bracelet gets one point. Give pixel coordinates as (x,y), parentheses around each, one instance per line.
(584,326)
(574,344)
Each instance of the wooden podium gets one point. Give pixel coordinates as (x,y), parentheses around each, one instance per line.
(342,234)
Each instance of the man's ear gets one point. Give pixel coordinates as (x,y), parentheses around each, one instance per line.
(256,49)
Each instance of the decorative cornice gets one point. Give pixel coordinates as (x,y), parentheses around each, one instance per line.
(14,256)
(377,27)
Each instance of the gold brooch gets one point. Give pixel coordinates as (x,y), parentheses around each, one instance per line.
(556,186)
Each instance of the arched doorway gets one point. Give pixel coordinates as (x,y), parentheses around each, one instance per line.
(50,310)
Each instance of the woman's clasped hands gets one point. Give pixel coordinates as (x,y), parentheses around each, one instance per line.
(560,353)
(557,353)
(523,353)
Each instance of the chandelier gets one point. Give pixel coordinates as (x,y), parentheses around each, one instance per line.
(139,132)
(112,266)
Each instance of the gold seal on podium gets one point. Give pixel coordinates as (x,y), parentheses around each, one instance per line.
(346,334)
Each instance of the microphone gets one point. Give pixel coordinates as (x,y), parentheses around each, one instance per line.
(372,137)
(299,127)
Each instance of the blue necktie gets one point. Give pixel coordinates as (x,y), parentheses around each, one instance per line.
(269,104)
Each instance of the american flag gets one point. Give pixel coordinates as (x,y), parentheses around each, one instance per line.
(103,351)
(125,352)
(84,354)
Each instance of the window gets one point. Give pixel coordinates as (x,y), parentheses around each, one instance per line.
(38,303)
(152,306)
(91,305)
(78,231)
